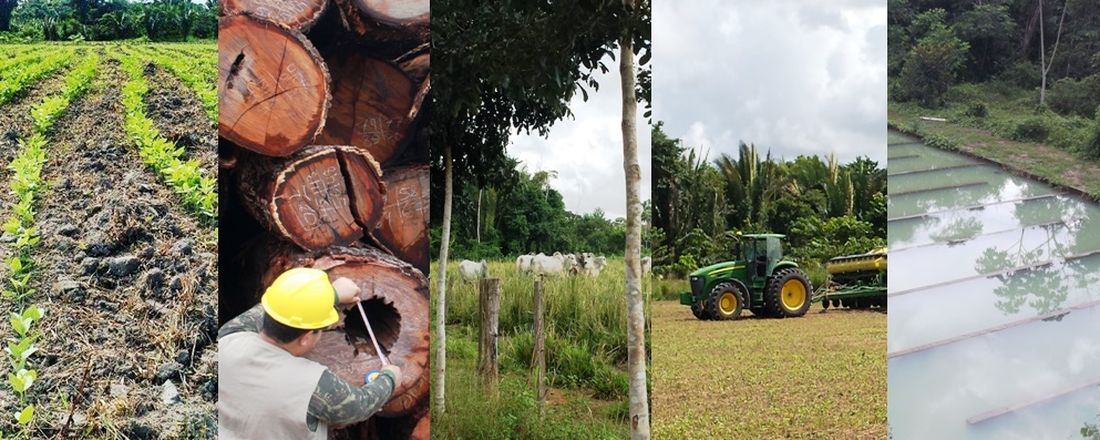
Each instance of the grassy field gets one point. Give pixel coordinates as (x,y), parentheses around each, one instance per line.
(819,376)
(586,358)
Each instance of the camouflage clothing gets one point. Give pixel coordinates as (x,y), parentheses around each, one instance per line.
(334,401)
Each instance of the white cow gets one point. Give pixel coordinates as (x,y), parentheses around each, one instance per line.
(546,265)
(593,266)
(470,270)
(523,262)
(647,265)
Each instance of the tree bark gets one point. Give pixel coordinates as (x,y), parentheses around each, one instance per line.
(273,87)
(391,23)
(294,14)
(395,298)
(322,196)
(371,99)
(635,305)
(439,363)
(404,226)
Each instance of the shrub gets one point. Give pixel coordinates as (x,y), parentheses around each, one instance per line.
(1077,97)
(941,142)
(1021,74)
(977,110)
(1033,129)
(1092,148)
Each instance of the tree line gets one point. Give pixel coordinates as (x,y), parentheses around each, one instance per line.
(1050,46)
(825,208)
(104,20)
(518,214)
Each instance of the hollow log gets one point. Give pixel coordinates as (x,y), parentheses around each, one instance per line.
(273,87)
(393,23)
(404,225)
(322,196)
(371,99)
(395,298)
(294,14)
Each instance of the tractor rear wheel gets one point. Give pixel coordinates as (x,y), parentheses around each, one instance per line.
(726,301)
(788,293)
(697,310)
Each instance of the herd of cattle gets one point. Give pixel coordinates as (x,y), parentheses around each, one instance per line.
(578,263)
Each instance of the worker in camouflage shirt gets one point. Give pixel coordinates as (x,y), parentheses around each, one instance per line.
(267,389)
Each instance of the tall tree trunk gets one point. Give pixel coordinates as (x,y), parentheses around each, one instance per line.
(479,216)
(439,364)
(635,303)
(1044,66)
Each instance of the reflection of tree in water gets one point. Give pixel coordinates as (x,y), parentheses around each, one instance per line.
(1042,288)
(953,198)
(958,230)
(902,231)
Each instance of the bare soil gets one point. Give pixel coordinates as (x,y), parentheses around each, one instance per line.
(179,116)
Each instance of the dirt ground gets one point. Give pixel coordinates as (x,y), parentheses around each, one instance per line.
(179,116)
(128,281)
(821,376)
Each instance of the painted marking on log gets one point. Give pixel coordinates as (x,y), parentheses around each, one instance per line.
(992,414)
(1044,317)
(1010,271)
(315,206)
(294,71)
(939,188)
(984,234)
(932,170)
(972,207)
(378,129)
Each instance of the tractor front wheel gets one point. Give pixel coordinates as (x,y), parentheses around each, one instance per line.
(697,310)
(788,293)
(726,301)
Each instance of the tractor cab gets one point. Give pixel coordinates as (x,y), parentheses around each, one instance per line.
(761,253)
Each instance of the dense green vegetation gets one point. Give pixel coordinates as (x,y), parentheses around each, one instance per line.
(519,215)
(1024,70)
(100,20)
(825,208)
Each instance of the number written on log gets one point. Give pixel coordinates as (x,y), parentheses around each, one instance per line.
(293,70)
(410,204)
(317,205)
(378,130)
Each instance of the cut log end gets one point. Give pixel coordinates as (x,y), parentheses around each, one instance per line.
(320,197)
(404,225)
(371,102)
(294,14)
(273,87)
(393,23)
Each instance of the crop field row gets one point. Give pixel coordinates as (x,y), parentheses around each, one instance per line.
(109,269)
(199,77)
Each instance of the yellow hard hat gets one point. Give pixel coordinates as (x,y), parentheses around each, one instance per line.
(302,298)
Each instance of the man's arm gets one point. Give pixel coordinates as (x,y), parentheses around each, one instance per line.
(250,321)
(337,403)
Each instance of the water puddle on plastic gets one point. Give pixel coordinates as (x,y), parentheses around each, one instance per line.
(994,322)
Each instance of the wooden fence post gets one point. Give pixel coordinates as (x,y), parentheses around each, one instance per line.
(489,314)
(540,348)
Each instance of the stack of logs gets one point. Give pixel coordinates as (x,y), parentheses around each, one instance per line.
(323,119)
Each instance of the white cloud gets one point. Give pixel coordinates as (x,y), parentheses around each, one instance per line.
(587,151)
(795,76)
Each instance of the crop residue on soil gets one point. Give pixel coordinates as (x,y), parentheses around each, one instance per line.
(128,281)
(179,116)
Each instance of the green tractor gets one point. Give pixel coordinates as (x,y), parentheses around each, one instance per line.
(760,280)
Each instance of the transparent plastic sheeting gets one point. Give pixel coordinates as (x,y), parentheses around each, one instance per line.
(995,301)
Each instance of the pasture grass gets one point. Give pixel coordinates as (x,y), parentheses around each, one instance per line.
(819,376)
(585,355)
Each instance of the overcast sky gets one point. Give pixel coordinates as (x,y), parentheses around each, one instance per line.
(587,150)
(795,76)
